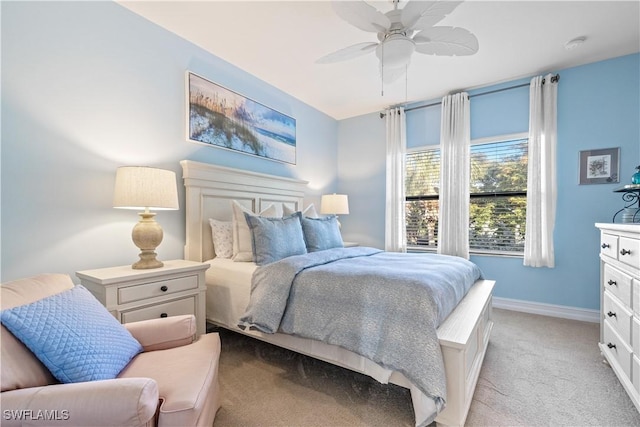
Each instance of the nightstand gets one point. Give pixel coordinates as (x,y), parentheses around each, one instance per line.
(132,295)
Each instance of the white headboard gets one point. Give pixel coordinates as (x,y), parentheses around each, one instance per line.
(210,190)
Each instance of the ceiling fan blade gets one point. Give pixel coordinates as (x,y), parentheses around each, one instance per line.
(362,15)
(446,41)
(420,15)
(350,52)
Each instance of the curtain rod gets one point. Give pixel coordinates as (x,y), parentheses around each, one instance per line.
(554,79)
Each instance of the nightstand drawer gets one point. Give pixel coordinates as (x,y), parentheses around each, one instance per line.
(618,283)
(173,308)
(156,289)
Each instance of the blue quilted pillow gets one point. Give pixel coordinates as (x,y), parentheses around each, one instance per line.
(73,335)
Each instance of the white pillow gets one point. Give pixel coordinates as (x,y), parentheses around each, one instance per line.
(222,235)
(309,212)
(242,243)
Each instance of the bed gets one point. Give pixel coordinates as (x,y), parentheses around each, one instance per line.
(463,336)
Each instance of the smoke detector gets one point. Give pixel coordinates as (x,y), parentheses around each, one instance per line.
(574,43)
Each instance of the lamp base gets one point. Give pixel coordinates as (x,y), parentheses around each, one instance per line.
(147,260)
(147,235)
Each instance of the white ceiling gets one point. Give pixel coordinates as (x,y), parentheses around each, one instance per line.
(279,42)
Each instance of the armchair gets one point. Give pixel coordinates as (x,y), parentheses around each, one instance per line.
(173,382)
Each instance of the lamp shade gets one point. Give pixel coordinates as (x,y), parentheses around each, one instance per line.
(337,204)
(142,187)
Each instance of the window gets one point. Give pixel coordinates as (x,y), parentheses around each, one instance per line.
(497,211)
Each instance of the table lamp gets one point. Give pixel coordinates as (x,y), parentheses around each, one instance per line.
(334,204)
(142,187)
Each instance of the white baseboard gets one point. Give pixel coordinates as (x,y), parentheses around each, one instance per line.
(565,312)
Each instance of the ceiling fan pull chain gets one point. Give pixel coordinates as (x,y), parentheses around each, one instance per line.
(406,84)
(382,72)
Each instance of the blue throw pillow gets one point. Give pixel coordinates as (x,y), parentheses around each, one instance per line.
(322,233)
(73,335)
(276,238)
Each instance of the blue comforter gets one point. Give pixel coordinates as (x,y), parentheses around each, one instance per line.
(385,306)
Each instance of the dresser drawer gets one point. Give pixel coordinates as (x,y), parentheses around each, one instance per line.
(636,296)
(629,251)
(618,316)
(635,335)
(616,348)
(172,308)
(156,289)
(636,373)
(618,284)
(609,245)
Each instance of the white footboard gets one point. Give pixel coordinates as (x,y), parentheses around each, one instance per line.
(464,337)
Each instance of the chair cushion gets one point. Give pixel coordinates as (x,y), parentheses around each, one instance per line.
(185,377)
(20,368)
(73,335)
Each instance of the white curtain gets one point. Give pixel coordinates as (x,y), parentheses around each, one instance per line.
(541,180)
(453,222)
(395,232)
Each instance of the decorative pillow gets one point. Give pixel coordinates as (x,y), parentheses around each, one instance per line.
(242,247)
(276,238)
(73,335)
(322,233)
(222,235)
(309,211)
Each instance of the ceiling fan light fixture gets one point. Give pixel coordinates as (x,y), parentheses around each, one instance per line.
(395,51)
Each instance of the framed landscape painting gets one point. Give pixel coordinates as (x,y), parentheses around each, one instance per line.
(220,117)
(600,166)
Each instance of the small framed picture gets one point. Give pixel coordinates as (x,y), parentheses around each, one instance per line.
(600,166)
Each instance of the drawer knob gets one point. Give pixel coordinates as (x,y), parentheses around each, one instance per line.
(605,246)
(612,282)
(625,252)
(611,314)
(163,315)
(611,345)
(164,288)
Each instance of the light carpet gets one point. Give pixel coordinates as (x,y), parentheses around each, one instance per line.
(538,371)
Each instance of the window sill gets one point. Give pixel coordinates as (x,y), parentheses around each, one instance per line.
(421,249)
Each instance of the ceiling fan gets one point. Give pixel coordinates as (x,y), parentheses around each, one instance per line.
(401,32)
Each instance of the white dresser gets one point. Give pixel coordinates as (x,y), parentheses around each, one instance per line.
(620,303)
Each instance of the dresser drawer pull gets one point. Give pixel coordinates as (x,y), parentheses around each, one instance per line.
(625,252)
(605,246)
(611,314)
(611,345)
(163,315)
(612,282)
(164,288)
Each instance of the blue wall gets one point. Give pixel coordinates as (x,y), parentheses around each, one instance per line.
(90,86)
(598,107)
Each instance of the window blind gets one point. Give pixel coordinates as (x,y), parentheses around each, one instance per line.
(498,196)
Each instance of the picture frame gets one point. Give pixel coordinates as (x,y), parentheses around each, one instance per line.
(600,166)
(219,117)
